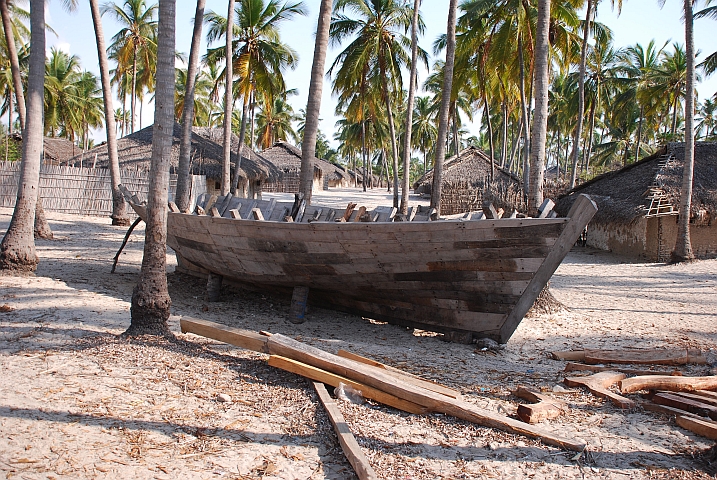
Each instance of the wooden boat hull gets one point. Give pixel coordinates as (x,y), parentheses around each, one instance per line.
(477,277)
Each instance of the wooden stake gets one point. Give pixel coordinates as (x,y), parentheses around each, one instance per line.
(351,448)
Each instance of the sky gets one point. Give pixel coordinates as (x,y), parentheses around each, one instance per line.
(639,22)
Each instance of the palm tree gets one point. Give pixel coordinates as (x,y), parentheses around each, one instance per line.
(119,212)
(707,121)
(445,104)
(313,104)
(424,132)
(89,114)
(11,28)
(683,245)
(408,126)
(540,120)
(17,249)
(61,96)
(377,49)
(274,122)
(134,45)
(150,298)
(182,195)
(229,105)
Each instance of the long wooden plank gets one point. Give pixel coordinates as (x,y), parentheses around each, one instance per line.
(692,406)
(704,428)
(233,336)
(669,383)
(665,410)
(378,378)
(332,379)
(407,377)
(351,448)
(710,400)
(579,367)
(638,357)
(580,214)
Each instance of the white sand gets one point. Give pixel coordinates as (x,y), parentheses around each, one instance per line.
(76,402)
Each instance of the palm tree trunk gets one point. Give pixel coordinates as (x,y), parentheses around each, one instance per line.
(526,121)
(456,142)
(591,129)
(581,93)
(17,249)
(673,128)
(540,117)
(639,133)
(252,105)
(683,244)
(228,101)
(408,126)
(9,123)
(445,104)
(14,62)
(516,144)
(313,104)
(133,100)
(391,130)
(490,134)
(504,146)
(363,151)
(242,136)
(150,298)
(185,147)
(119,212)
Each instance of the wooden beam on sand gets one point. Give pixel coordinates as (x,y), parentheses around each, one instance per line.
(704,428)
(435,402)
(351,448)
(233,336)
(598,385)
(693,406)
(580,367)
(329,378)
(407,377)
(671,384)
(633,356)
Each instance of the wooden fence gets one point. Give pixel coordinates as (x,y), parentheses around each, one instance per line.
(83,191)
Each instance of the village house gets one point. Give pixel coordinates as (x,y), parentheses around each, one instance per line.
(638,205)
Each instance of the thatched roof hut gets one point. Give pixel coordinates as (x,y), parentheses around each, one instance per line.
(135,152)
(54,150)
(466,183)
(638,204)
(287,158)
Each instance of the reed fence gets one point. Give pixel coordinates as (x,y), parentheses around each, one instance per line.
(83,191)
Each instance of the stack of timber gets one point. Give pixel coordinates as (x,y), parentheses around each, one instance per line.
(375,381)
(477,277)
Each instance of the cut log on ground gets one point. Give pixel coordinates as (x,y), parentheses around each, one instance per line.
(405,376)
(233,336)
(332,379)
(671,384)
(379,379)
(580,367)
(544,408)
(598,385)
(689,405)
(633,356)
(351,448)
(665,410)
(703,428)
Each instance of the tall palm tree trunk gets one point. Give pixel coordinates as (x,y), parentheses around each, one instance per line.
(639,133)
(363,153)
(490,134)
(14,62)
(242,136)
(133,100)
(313,104)
(391,131)
(437,188)
(17,249)
(185,147)
(540,117)
(119,209)
(504,145)
(525,119)
(581,93)
(683,244)
(228,101)
(409,108)
(150,298)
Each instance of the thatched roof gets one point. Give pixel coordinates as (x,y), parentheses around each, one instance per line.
(623,195)
(55,150)
(135,151)
(287,157)
(471,165)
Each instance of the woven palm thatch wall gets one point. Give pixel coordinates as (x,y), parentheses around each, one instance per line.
(466,184)
(82,191)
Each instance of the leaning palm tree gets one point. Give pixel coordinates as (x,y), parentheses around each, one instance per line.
(150,298)
(132,46)
(313,104)
(11,30)
(437,186)
(17,249)
(119,209)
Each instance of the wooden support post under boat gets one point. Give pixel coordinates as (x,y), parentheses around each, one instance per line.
(580,214)
(214,287)
(297,312)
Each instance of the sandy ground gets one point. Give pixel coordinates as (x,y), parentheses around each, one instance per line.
(77,401)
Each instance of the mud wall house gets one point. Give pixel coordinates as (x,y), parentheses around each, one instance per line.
(466,184)
(135,152)
(286,158)
(638,205)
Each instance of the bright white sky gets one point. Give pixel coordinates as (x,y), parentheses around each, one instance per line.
(640,21)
